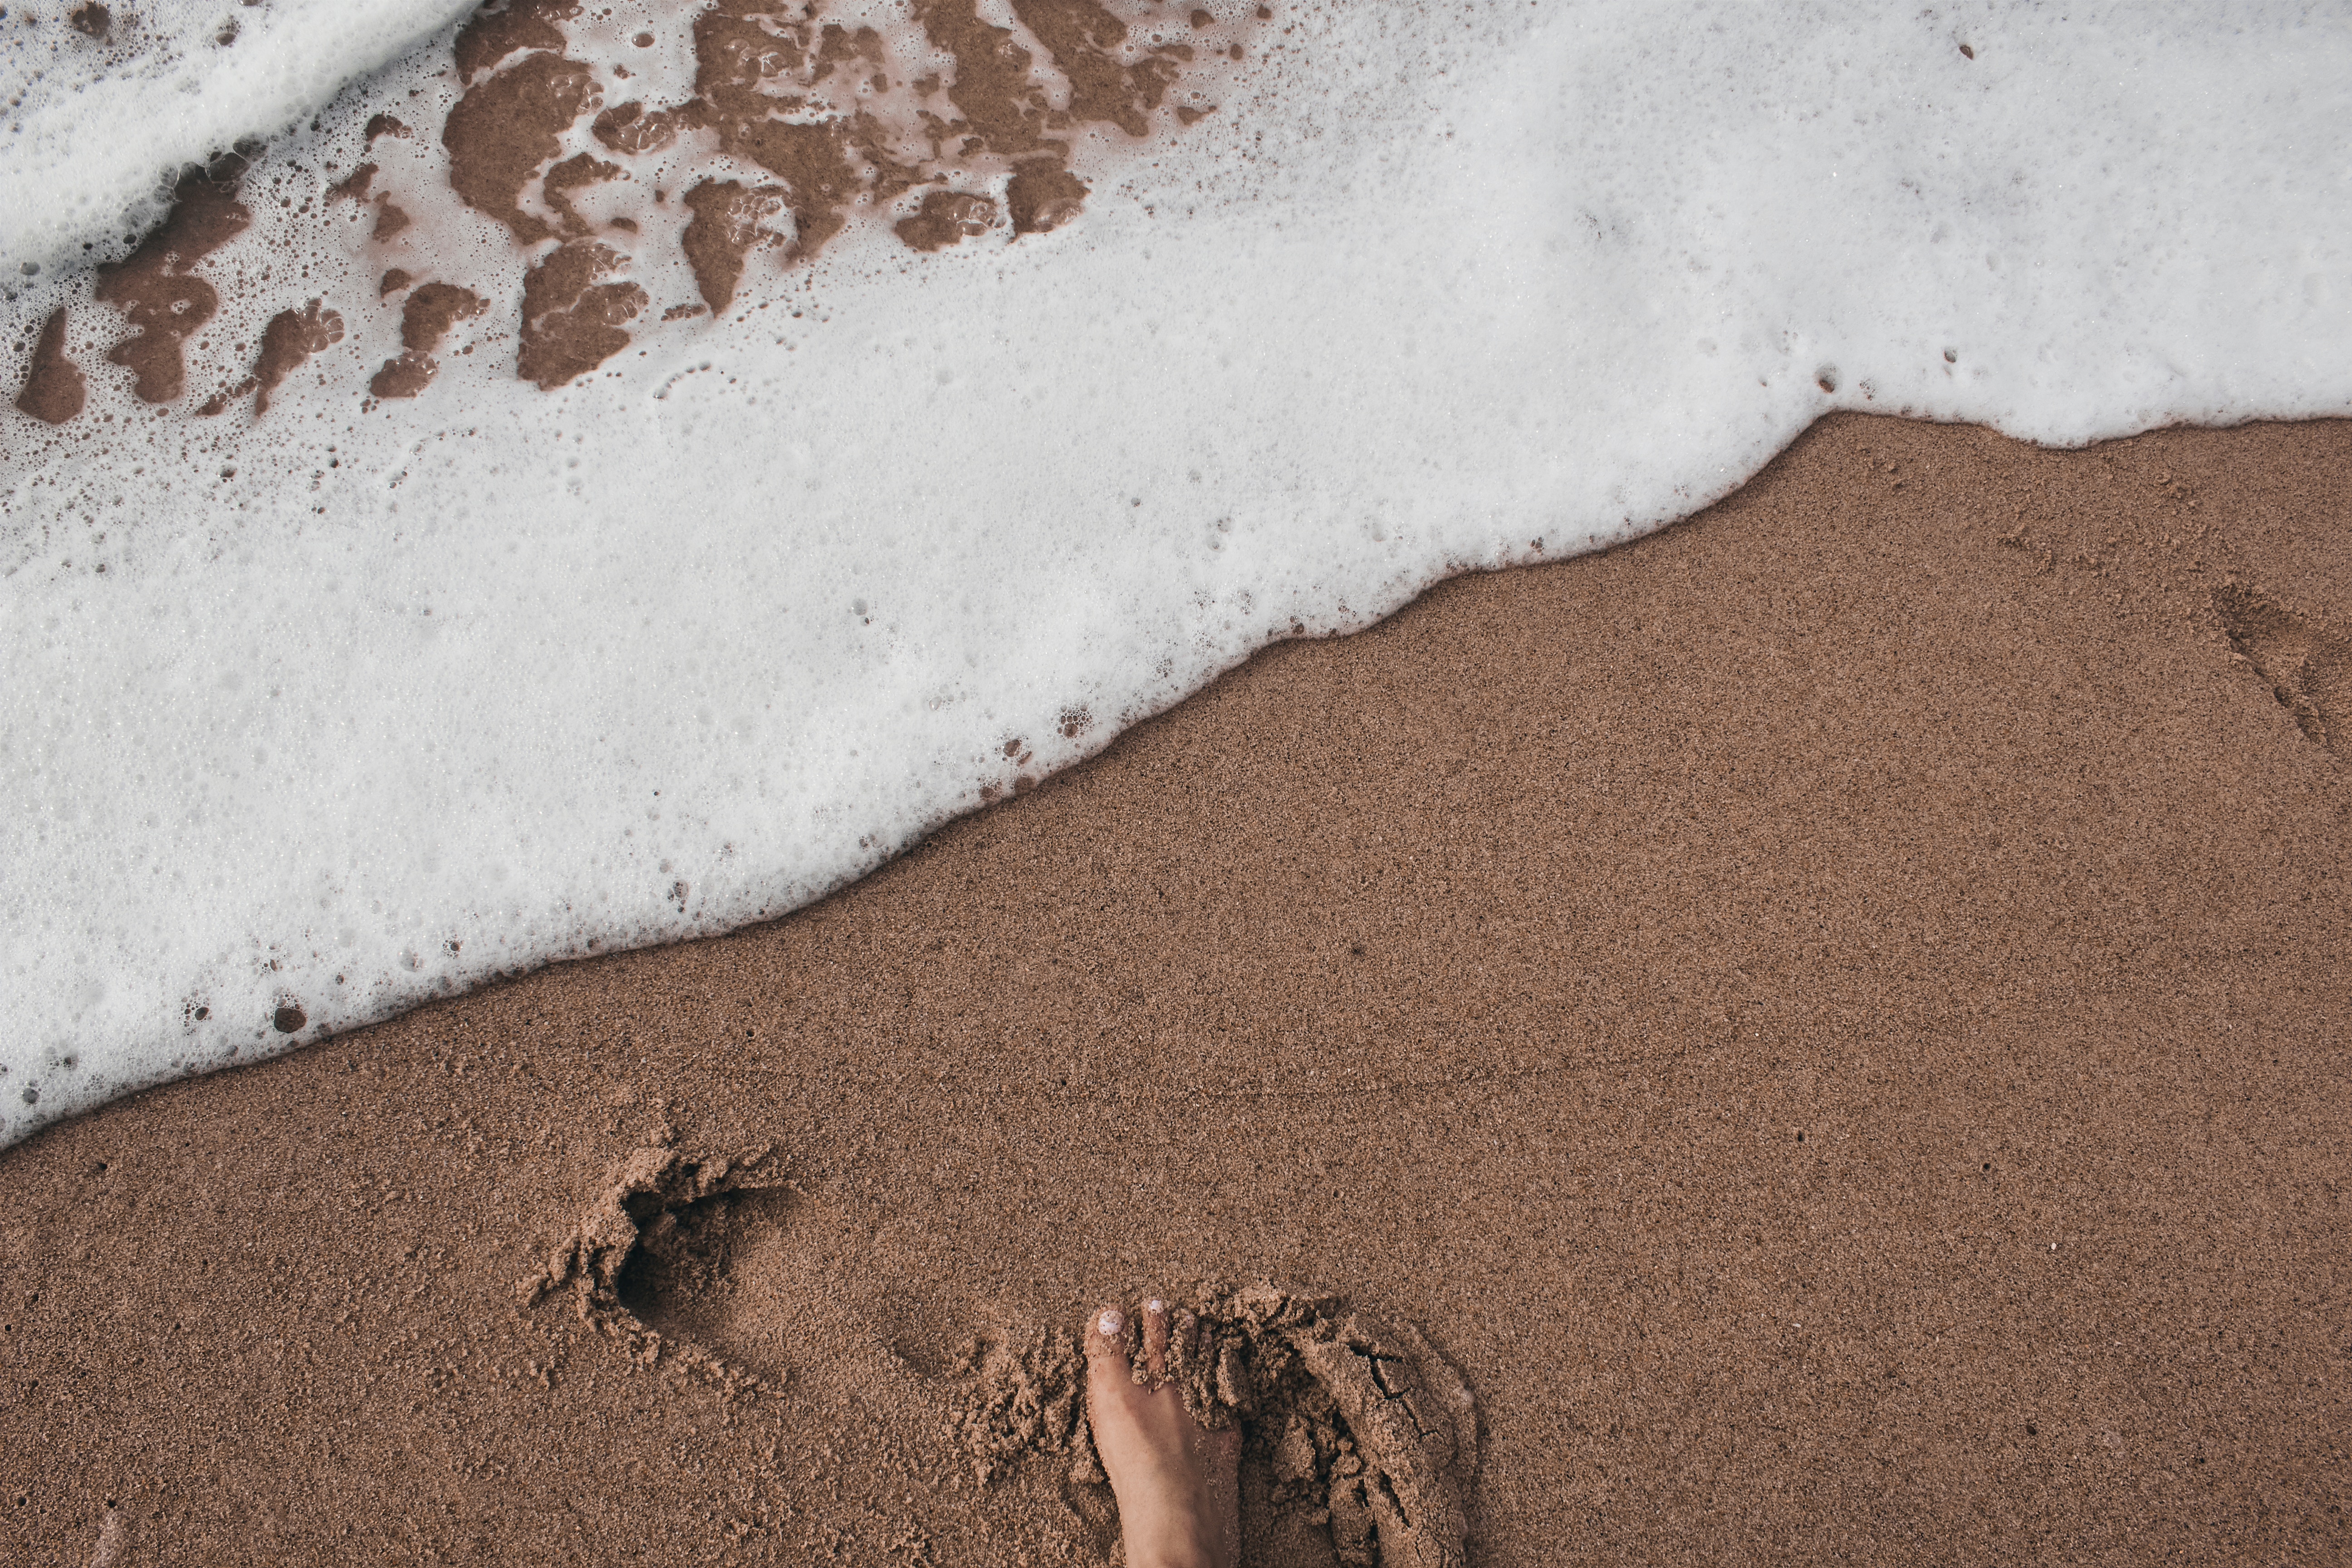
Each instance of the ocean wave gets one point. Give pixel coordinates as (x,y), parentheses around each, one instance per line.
(638,585)
(108,100)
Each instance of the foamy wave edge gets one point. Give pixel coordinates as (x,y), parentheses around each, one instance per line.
(331,716)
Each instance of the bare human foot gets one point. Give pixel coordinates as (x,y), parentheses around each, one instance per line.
(1178,1483)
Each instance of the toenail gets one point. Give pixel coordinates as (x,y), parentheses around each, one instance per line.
(1155,1306)
(1110,1323)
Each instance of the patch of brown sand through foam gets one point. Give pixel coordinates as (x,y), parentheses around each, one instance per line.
(741,127)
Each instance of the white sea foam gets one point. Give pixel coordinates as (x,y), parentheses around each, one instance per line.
(344,710)
(97,126)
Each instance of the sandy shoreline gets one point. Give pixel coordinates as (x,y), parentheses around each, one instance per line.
(1830,1016)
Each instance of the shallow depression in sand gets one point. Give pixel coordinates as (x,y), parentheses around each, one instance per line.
(615,474)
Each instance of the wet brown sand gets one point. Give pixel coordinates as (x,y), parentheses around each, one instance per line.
(1833,1017)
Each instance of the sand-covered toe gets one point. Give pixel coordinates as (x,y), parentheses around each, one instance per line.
(1369,1433)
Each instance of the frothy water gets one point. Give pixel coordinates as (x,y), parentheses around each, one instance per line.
(107,99)
(319,711)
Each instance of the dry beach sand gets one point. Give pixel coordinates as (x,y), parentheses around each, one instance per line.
(1830,1017)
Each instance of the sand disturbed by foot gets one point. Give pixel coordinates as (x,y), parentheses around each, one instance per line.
(1828,1017)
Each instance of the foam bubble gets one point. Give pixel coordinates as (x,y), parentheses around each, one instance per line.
(321,710)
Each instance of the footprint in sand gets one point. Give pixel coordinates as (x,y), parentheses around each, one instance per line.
(722,1263)
(1360,1439)
(2306,665)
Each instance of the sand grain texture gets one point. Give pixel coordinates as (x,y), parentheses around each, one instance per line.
(1830,1017)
